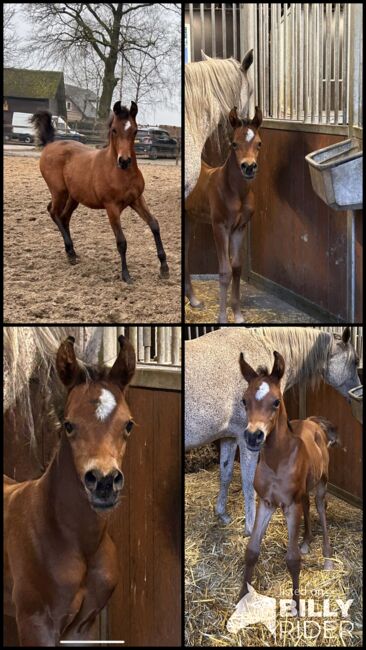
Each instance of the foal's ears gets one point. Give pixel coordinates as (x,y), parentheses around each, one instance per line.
(67,366)
(133,109)
(278,366)
(257,119)
(246,370)
(346,335)
(233,118)
(247,61)
(124,366)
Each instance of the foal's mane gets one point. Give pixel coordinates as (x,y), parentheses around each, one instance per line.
(207,83)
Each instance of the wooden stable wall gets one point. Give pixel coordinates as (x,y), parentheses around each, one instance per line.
(345,470)
(145,609)
(295,240)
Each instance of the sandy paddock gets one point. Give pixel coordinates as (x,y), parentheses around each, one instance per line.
(40,284)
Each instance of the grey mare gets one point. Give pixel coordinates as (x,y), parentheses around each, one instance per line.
(214,388)
(212,88)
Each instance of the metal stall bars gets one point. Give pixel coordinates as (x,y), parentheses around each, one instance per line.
(307,57)
(158,354)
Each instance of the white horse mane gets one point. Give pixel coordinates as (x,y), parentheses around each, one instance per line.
(208,84)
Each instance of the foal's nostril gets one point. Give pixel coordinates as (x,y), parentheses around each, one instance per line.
(118,480)
(91,480)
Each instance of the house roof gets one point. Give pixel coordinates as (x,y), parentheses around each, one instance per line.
(32,84)
(83,99)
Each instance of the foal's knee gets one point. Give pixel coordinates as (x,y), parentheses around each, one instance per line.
(225,278)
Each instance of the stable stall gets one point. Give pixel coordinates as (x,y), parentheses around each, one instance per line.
(303,249)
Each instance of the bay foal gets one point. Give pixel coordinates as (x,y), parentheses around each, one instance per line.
(293,460)
(60,563)
(223,196)
(107,178)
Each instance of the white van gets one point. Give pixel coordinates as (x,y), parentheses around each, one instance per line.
(23,130)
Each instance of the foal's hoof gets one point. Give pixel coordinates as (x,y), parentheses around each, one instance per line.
(73,259)
(224,518)
(238,318)
(196,304)
(328,565)
(304,548)
(164,273)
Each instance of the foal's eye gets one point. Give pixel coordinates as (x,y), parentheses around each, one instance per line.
(68,427)
(114,131)
(234,145)
(276,403)
(129,427)
(259,145)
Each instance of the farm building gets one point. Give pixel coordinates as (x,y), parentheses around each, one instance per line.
(26,91)
(145,609)
(215,552)
(307,79)
(81,105)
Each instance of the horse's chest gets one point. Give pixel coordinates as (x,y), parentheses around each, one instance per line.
(276,488)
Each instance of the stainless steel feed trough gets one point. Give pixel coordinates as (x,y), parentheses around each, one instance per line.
(356,395)
(336,174)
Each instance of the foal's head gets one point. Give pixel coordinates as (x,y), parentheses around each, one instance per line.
(97,422)
(246,142)
(262,400)
(122,131)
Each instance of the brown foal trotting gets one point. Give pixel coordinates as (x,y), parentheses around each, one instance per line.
(108,178)
(223,197)
(60,563)
(293,460)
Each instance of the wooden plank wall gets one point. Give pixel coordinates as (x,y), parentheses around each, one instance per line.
(295,240)
(145,609)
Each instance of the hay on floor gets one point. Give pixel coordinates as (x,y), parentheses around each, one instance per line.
(214,563)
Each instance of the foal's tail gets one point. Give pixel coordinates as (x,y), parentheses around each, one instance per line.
(45,130)
(329,429)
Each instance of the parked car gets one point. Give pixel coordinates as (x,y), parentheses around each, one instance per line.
(155,143)
(23,130)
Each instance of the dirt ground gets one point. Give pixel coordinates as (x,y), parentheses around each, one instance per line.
(41,286)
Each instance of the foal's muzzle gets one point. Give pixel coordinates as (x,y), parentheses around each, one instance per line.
(104,491)
(248,171)
(254,439)
(124,163)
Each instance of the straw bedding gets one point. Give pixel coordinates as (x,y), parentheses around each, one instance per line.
(214,563)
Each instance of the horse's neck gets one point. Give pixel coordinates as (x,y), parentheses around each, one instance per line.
(305,355)
(65,501)
(278,443)
(233,177)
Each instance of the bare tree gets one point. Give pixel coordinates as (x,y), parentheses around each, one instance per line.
(10,47)
(111,30)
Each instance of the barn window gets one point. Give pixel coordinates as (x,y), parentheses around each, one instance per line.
(68,106)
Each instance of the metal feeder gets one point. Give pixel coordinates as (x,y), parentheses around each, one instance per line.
(356,395)
(336,177)
(336,174)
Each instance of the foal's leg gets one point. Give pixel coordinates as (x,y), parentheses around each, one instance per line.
(114,219)
(236,244)
(293,557)
(189,292)
(143,211)
(221,236)
(320,501)
(262,519)
(62,221)
(248,464)
(308,537)
(228,448)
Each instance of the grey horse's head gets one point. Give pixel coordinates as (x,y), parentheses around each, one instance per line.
(341,369)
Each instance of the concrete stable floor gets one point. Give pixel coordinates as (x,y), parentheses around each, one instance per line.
(257,306)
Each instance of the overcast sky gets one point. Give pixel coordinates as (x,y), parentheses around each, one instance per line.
(153,114)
